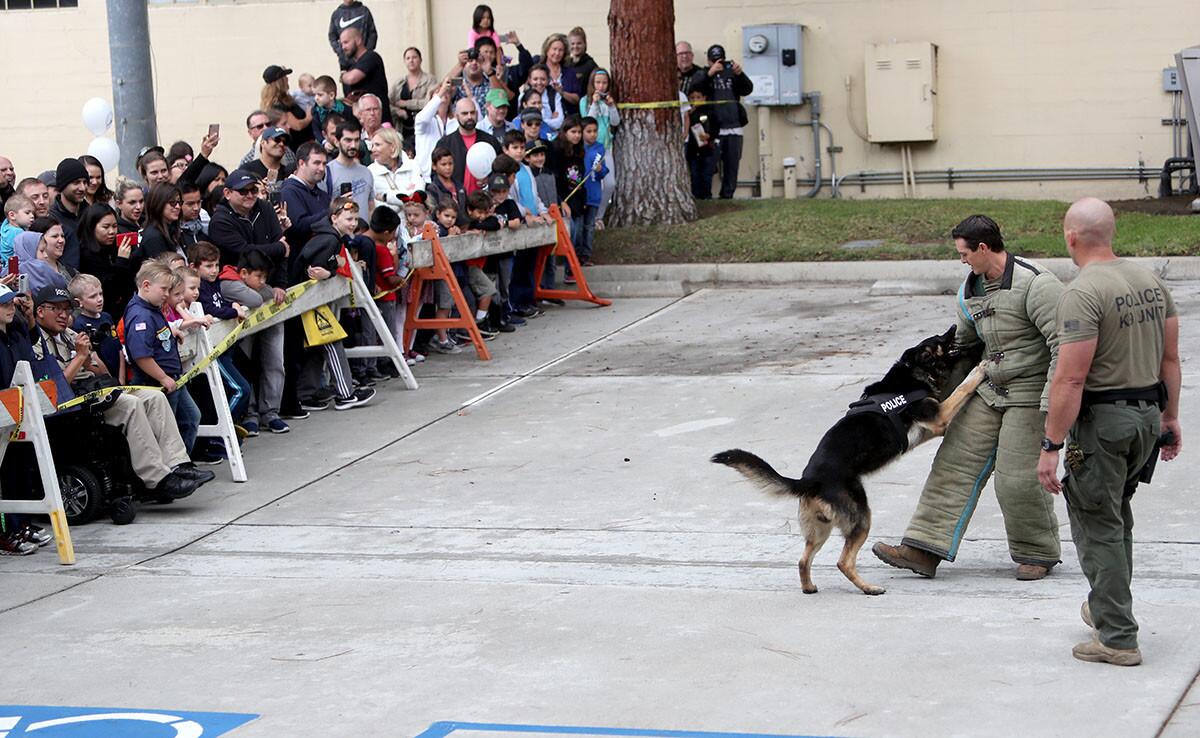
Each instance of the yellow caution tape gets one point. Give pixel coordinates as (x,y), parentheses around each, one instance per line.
(253,319)
(672,104)
(393,290)
(104,392)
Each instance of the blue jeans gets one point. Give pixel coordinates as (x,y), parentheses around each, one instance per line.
(702,167)
(587,232)
(238,386)
(576,230)
(187,415)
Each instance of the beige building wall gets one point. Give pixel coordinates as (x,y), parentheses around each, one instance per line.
(1021,83)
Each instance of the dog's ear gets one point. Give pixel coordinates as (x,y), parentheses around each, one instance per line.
(949,335)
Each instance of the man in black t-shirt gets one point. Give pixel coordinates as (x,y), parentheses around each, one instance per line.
(365,73)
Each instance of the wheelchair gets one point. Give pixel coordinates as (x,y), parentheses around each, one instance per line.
(95,473)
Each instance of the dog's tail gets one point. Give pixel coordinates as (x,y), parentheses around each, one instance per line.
(762,474)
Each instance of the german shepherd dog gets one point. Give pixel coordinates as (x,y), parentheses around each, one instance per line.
(830,490)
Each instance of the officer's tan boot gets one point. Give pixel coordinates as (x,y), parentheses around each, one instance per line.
(907,557)
(1096,651)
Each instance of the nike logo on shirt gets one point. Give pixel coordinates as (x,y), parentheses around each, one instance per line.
(347,23)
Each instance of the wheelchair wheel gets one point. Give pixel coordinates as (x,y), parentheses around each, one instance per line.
(82,493)
(123,510)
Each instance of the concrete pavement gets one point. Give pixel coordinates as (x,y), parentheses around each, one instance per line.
(540,540)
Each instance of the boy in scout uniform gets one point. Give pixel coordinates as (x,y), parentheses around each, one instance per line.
(1115,387)
(1007,304)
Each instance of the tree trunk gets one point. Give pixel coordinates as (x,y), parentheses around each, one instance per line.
(652,182)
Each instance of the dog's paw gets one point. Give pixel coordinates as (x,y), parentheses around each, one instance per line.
(809,590)
(871,589)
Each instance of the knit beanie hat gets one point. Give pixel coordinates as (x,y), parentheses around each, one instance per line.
(68,171)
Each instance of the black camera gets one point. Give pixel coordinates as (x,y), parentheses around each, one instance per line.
(96,334)
(472,54)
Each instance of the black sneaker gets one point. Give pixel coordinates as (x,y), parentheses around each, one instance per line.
(13,544)
(507,328)
(485,328)
(294,413)
(554,301)
(35,534)
(315,404)
(360,397)
(529,312)
(390,369)
(375,375)
(323,395)
(200,476)
(361,380)
(175,486)
(210,454)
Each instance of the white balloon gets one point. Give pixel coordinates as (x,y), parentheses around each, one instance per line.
(480,158)
(107,151)
(97,115)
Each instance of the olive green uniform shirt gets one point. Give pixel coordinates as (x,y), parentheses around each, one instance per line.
(1123,307)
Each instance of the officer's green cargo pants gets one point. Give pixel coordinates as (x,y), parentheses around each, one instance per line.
(1116,440)
(982,438)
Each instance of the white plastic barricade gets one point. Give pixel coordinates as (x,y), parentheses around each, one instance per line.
(223,428)
(23,408)
(337,291)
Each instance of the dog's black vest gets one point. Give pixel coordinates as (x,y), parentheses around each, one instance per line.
(890,405)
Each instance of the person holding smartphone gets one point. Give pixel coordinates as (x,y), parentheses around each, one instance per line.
(346,171)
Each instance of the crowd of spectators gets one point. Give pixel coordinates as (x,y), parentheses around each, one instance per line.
(104,287)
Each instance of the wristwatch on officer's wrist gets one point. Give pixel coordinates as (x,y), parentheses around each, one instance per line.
(1048,445)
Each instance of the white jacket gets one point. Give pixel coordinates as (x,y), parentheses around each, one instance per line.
(390,185)
(429,128)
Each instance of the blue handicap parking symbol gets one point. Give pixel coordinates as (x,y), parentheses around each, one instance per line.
(448,729)
(36,721)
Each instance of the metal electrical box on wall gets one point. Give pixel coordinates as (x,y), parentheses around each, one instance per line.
(901,90)
(773,59)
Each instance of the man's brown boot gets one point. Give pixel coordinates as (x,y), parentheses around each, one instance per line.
(1032,572)
(1096,651)
(907,557)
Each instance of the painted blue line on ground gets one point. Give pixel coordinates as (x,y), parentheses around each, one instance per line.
(443,729)
(46,721)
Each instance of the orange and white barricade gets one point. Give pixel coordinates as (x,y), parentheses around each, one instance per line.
(432,258)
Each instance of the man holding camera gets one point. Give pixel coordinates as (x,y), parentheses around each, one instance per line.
(724,83)
(474,81)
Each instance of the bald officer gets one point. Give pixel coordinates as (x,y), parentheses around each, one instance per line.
(1115,387)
